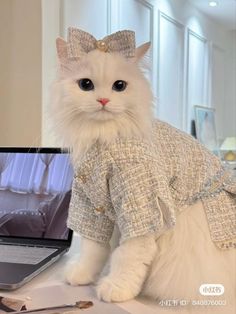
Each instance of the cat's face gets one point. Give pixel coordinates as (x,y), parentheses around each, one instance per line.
(106,87)
(102,94)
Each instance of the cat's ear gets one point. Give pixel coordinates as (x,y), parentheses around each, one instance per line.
(61,49)
(142,50)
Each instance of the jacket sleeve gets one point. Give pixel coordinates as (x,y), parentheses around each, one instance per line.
(87,216)
(141,199)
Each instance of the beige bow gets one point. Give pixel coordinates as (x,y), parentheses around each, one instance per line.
(80,43)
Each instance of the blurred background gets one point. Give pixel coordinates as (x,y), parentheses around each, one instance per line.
(193,58)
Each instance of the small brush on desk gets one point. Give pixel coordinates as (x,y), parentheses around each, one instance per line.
(78,305)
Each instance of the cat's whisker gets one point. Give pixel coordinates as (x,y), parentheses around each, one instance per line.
(71,113)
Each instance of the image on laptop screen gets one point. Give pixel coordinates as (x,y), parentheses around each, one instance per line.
(35,191)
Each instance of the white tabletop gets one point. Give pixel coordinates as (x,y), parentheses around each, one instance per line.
(49,289)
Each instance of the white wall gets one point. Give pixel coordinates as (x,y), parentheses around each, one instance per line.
(230,87)
(208,72)
(20,74)
(88,15)
(50,31)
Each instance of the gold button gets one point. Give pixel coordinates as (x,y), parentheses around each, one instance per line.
(100,209)
(101,45)
(83,178)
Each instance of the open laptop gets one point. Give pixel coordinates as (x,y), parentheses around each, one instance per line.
(35,190)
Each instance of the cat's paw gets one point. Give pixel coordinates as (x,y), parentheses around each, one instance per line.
(78,273)
(115,290)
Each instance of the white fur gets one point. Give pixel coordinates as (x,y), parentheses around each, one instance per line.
(79,118)
(174,265)
(186,258)
(129,266)
(86,268)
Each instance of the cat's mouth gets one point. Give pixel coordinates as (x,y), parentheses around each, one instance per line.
(103,114)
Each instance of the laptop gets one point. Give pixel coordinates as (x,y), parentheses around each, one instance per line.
(35,191)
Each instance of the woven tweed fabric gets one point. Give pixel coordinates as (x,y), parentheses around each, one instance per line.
(81,42)
(141,185)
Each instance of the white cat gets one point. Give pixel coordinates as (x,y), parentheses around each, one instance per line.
(98,98)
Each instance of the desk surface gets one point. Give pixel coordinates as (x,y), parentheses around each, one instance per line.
(49,289)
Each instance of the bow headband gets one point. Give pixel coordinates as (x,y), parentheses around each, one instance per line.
(80,43)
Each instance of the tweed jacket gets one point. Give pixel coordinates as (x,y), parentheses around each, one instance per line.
(141,185)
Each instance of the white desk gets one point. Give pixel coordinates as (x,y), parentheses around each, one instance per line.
(49,289)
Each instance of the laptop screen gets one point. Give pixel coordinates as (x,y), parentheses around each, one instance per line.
(35,191)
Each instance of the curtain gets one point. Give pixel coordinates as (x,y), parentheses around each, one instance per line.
(37,173)
(5,160)
(46,159)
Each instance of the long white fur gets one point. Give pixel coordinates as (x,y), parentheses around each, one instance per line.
(92,259)
(172,266)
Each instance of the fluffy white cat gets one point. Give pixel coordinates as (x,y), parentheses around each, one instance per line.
(103,96)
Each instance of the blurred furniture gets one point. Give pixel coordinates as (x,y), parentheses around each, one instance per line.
(229,147)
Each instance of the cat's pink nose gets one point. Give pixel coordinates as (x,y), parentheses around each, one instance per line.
(103,101)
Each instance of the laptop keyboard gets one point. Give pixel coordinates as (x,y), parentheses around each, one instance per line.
(24,254)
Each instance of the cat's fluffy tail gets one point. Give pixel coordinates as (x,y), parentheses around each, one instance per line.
(186,259)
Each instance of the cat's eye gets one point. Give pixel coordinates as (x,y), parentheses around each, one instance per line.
(119,86)
(85,84)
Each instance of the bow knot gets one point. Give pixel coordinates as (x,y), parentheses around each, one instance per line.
(80,42)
